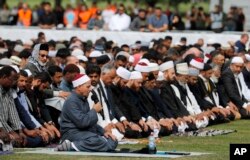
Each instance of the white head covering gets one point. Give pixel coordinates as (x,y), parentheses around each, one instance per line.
(123,73)
(82,58)
(18,48)
(5,61)
(123,53)
(166,65)
(247,57)
(182,68)
(77,52)
(193,71)
(135,75)
(197,62)
(95,54)
(28,72)
(144,60)
(16,68)
(153,67)
(142,67)
(237,60)
(52,53)
(80,79)
(15,60)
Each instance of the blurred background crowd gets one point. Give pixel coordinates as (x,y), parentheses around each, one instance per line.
(133,15)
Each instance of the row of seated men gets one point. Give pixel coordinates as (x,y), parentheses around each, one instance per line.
(172,98)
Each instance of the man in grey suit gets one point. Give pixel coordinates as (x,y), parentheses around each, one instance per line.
(79,128)
(233,86)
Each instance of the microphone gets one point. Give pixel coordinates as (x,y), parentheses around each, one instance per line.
(94,98)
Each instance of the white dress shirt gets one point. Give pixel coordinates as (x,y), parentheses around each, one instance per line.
(119,22)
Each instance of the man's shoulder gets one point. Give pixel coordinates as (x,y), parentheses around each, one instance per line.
(227,72)
(238,43)
(163,16)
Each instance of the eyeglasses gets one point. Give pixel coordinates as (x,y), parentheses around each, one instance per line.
(42,55)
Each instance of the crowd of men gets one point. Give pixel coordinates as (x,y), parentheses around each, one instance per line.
(88,96)
(116,17)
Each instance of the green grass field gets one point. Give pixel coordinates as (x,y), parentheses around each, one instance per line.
(218,146)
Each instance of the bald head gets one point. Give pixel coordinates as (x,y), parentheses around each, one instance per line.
(72,60)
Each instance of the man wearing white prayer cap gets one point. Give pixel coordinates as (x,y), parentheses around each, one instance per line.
(15,60)
(82,60)
(143,67)
(197,63)
(77,52)
(168,69)
(132,130)
(233,87)
(93,55)
(170,98)
(123,73)
(5,62)
(184,94)
(193,75)
(17,49)
(131,92)
(154,68)
(79,128)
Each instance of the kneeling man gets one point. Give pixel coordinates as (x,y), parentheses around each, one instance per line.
(78,122)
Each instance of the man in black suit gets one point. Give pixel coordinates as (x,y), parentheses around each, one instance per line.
(130,112)
(206,94)
(170,99)
(111,117)
(233,86)
(246,71)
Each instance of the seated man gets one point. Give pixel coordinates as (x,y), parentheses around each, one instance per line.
(79,128)
(110,116)
(184,94)
(205,92)
(8,114)
(233,87)
(69,73)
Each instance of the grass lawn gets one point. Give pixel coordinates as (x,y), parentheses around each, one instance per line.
(217,145)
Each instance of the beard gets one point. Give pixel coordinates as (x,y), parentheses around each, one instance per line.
(215,79)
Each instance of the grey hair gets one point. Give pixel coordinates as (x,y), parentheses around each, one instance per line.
(216,67)
(107,68)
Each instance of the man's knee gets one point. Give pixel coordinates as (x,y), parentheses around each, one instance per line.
(111,144)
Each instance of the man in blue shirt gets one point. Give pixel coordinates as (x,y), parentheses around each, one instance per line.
(241,44)
(158,22)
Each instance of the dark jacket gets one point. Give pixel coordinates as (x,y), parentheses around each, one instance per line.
(246,75)
(171,100)
(120,100)
(200,92)
(231,88)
